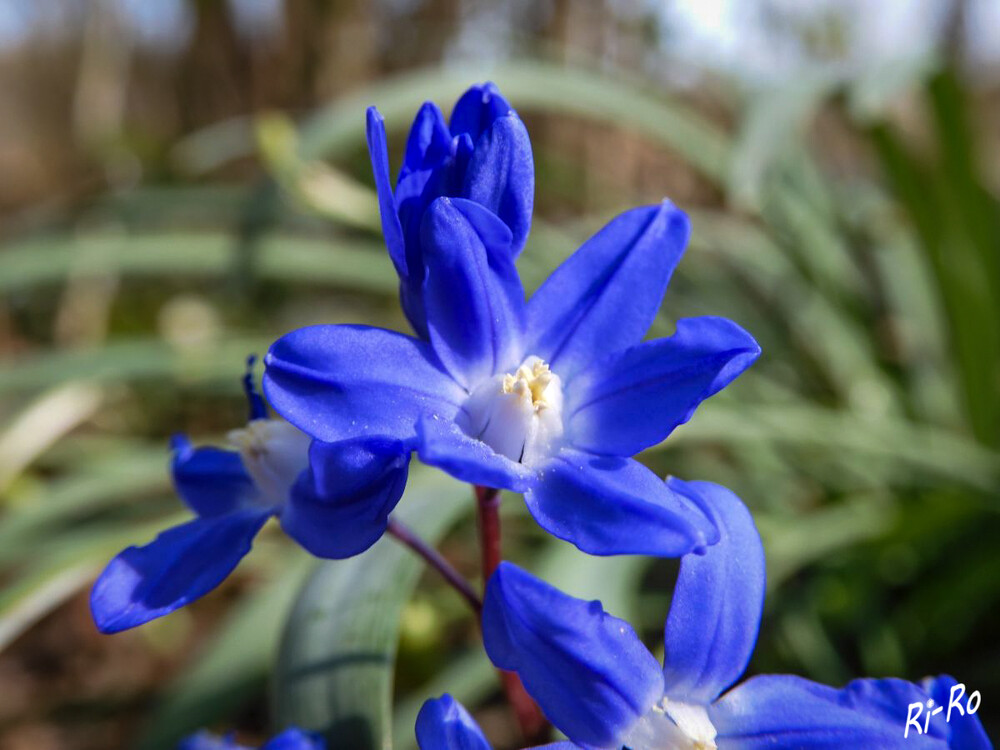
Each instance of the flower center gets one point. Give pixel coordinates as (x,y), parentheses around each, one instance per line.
(531,381)
(673,725)
(274,454)
(519,415)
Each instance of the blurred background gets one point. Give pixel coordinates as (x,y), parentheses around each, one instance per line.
(181,181)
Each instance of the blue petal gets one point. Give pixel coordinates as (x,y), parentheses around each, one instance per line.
(615,506)
(425,175)
(180,565)
(290,739)
(477,110)
(442,443)
(429,142)
(295,739)
(463,149)
(414,193)
(444,724)
(346,382)
(472,293)
(633,399)
(206,741)
(378,151)
(718,599)
(966,730)
(782,711)
(348,470)
(211,481)
(501,176)
(340,506)
(255,402)
(604,297)
(588,671)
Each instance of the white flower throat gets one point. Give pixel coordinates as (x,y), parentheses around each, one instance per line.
(274,454)
(673,725)
(519,415)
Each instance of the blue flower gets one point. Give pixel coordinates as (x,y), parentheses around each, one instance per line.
(334,500)
(444,724)
(550,397)
(483,154)
(290,739)
(597,683)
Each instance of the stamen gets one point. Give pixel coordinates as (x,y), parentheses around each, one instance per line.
(274,454)
(673,725)
(530,382)
(519,414)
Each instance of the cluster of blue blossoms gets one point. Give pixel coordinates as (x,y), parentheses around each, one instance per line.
(550,397)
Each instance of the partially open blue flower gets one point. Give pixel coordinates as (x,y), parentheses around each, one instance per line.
(550,397)
(597,683)
(334,500)
(444,724)
(483,154)
(290,739)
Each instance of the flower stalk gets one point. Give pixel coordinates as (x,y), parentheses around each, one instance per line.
(488,506)
(529,716)
(406,536)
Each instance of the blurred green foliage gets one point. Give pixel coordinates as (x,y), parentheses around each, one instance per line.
(865,440)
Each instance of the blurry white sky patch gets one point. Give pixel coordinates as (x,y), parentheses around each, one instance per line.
(765,41)
(758,41)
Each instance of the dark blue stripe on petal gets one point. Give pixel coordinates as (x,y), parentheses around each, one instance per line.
(472,293)
(718,599)
(604,297)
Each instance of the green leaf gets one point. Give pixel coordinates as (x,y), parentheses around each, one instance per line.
(532,84)
(232,665)
(955,218)
(108,483)
(924,452)
(125,360)
(335,667)
(51,579)
(39,261)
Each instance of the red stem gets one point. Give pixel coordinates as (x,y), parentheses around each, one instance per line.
(529,716)
(435,559)
(488,503)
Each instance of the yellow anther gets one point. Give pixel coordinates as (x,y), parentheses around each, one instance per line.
(529,382)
